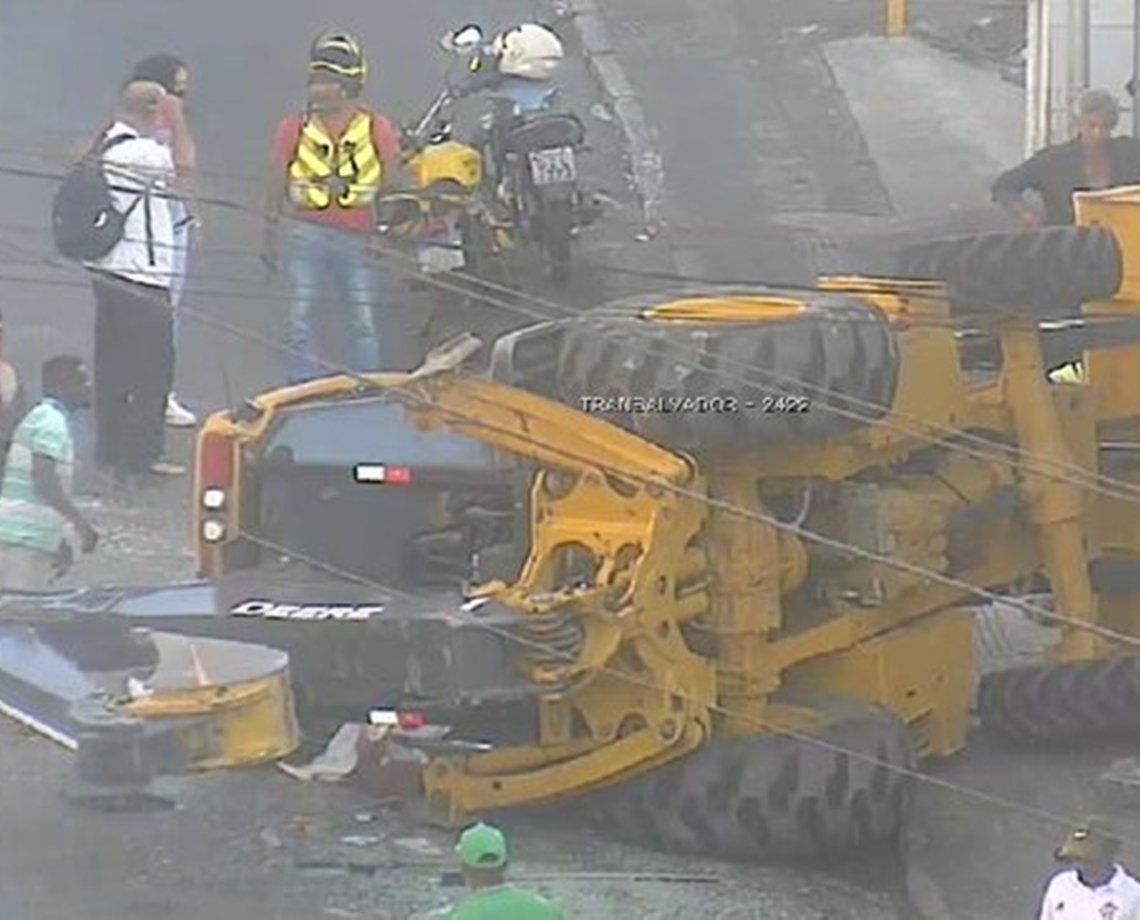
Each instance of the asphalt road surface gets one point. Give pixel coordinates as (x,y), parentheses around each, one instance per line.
(63,64)
(60,75)
(739,154)
(231,849)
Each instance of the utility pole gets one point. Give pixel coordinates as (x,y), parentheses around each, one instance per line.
(1134,83)
(896,18)
(1077,78)
(1038,74)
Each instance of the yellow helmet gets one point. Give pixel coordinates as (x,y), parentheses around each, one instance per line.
(340,56)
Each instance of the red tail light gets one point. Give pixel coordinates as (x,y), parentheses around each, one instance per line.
(409,721)
(380,474)
(400,475)
(215,461)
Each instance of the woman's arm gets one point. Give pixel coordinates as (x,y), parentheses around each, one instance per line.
(183,152)
(1010,187)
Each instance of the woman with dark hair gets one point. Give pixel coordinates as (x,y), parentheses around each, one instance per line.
(173,75)
(168,70)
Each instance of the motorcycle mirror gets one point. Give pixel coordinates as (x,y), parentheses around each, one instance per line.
(465,39)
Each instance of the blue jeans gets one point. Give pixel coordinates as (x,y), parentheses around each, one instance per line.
(331,270)
(178,281)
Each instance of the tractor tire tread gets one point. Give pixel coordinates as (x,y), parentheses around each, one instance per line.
(837,361)
(1044,272)
(773,797)
(1062,702)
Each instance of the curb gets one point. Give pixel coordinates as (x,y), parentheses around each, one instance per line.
(601,58)
(962,51)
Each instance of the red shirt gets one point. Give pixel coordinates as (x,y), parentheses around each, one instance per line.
(384,136)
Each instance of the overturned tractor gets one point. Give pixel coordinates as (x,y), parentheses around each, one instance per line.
(719,550)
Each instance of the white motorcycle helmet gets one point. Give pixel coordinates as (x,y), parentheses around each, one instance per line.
(528,51)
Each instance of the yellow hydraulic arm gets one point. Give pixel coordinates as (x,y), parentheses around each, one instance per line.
(616,552)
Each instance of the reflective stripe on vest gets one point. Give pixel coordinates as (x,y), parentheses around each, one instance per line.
(348,170)
(1068,373)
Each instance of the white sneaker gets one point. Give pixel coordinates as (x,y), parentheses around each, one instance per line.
(177,415)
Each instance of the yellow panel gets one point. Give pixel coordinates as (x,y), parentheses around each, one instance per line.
(896,18)
(923,672)
(236,696)
(871,284)
(448,161)
(1112,373)
(743,309)
(1119,210)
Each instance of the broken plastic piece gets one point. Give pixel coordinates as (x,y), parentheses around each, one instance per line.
(337,761)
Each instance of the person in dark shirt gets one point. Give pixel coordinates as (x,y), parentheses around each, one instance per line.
(1094,159)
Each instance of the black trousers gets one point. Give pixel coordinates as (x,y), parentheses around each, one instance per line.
(134,371)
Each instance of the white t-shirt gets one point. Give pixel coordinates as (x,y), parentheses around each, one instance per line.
(142,256)
(1067,898)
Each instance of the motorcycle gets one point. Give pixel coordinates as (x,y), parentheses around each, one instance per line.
(441,218)
(516,182)
(531,148)
(446,176)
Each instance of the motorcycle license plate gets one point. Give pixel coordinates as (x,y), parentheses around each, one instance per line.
(445,256)
(435,259)
(553,166)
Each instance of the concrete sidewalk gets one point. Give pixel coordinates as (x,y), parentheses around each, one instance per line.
(938,130)
(789,141)
(748,126)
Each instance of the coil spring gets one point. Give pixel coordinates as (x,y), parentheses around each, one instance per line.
(553,638)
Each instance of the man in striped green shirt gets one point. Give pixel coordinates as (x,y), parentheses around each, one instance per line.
(35,500)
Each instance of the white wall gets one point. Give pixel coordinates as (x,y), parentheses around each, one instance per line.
(1110,51)
(1110,60)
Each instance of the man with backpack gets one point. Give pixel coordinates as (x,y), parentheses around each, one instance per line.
(113,214)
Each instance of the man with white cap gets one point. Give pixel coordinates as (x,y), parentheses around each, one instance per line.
(1095,886)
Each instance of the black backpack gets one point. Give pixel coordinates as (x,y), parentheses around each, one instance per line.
(85,223)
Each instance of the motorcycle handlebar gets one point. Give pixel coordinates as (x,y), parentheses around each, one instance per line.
(475,83)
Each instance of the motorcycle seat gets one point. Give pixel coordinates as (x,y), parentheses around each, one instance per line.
(544,131)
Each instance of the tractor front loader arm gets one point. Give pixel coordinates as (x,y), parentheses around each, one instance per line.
(549,433)
(616,571)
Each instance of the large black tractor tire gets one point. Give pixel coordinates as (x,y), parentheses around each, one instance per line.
(1057,703)
(818,374)
(1039,272)
(772,798)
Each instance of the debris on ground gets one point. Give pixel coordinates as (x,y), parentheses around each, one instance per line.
(335,763)
(1120,783)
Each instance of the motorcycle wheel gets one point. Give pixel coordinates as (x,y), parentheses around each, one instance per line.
(557,238)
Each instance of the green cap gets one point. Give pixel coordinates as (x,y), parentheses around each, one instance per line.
(482,846)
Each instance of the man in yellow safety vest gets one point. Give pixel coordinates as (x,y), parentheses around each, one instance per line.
(1073,372)
(329,165)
